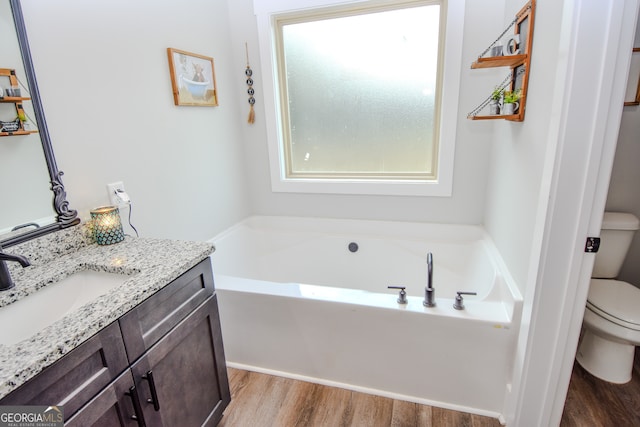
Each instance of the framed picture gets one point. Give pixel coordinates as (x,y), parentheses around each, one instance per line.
(193,78)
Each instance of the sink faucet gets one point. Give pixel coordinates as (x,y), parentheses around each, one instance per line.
(5,277)
(429,291)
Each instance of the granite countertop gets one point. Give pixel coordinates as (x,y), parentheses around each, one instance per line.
(150,264)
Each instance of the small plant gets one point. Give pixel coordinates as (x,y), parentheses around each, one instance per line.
(512,96)
(497,94)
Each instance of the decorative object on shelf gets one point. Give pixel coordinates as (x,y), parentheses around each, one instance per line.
(248,74)
(475,113)
(494,103)
(13,92)
(510,102)
(193,78)
(632,96)
(496,50)
(24,121)
(511,45)
(514,52)
(107,227)
(11,126)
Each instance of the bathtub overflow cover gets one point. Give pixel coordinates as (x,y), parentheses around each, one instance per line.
(353,247)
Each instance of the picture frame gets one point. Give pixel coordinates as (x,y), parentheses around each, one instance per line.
(193,78)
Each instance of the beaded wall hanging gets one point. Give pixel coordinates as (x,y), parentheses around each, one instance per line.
(248,74)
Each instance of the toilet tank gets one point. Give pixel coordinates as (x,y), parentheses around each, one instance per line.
(616,235)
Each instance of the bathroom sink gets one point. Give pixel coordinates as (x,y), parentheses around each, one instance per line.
(31,314)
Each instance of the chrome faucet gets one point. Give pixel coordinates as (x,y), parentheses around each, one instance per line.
(5,277)
(429,291)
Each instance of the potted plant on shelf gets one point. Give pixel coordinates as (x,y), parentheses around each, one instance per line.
(24,120)
(510,102)
(494,103)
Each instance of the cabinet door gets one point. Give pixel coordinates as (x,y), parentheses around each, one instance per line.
(148,322)
(76,378)
(114,406)
(182,380)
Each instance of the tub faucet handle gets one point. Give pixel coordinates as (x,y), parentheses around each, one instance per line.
(402,297)
(458,304)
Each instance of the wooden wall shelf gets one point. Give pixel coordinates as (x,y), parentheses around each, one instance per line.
(513,117)
(499,61)
(519,63)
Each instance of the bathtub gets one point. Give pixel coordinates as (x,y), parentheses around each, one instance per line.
(298,299)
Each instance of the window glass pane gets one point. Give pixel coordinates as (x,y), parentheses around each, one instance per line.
(362,95)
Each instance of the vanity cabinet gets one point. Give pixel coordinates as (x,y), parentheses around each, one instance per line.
(182,380)
(112,407)
(160,364)
(73,380)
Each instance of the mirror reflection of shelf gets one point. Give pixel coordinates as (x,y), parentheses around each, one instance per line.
(21,117)
(13,99)
(18,132)
(518,61)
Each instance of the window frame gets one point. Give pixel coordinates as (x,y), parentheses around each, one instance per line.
(451,22)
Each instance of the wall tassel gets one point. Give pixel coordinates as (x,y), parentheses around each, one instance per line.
(252,115)
(249,73)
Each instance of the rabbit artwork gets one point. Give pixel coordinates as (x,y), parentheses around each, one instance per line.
(199,75)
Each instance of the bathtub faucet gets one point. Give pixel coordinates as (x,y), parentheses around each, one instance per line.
(429,291)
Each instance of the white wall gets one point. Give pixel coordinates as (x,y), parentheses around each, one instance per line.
(519,151)
(104,79)
(623,190)
(473,147)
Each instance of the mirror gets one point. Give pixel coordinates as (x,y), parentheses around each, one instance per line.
(28,168)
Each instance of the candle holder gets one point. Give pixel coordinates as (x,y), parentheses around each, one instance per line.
(107,228)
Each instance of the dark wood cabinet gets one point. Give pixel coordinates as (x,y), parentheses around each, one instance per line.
(112,407)
(143,326)
(76,378)
(182,380)
(160,364)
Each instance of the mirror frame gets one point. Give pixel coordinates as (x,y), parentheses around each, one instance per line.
(65,217)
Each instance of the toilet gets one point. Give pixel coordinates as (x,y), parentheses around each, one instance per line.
(611,325)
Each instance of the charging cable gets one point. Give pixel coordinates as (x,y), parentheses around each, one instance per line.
(124,198)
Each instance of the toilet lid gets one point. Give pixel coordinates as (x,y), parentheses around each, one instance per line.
(615,300)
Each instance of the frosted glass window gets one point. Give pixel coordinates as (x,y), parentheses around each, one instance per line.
(360,93)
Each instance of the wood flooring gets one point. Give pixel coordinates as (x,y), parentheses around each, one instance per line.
(595,403)
(259,400)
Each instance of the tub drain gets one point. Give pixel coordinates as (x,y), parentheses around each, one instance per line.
(353,247)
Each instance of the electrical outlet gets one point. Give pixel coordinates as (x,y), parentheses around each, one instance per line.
(112,189)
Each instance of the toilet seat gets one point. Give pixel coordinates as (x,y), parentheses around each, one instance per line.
(616,301)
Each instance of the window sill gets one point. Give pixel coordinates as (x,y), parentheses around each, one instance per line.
(368,187)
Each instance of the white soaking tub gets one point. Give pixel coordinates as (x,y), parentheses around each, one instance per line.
(296,301)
